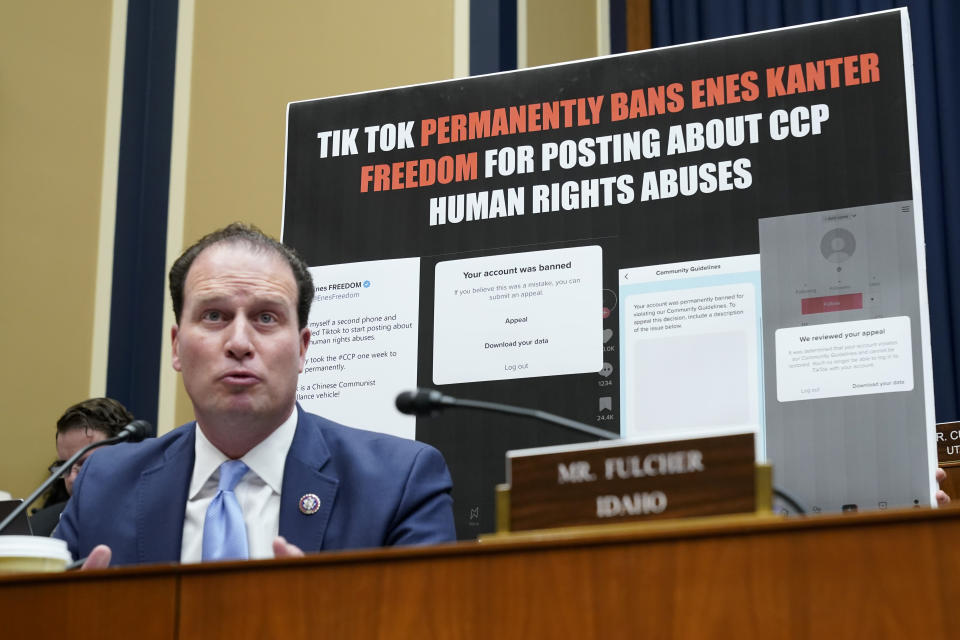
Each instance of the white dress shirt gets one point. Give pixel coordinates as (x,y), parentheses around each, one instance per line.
(258,492)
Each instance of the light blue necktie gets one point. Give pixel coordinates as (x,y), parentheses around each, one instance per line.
(224,532)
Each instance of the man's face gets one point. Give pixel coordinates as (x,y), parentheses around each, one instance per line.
(238,345)
(71,441)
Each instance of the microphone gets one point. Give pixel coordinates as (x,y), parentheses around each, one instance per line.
(423,402)
(133,432)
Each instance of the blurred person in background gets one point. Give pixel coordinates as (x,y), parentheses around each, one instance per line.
(81,424)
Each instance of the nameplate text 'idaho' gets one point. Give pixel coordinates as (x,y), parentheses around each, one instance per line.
(623,481)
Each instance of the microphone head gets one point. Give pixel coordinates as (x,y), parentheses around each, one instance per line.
(404,402)
(420,402)
(137,431)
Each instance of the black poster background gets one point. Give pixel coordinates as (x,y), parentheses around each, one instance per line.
(860,158)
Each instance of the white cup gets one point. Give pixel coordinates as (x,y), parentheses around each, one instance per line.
(33,554)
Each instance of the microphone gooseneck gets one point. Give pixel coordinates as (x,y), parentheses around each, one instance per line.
(421,402)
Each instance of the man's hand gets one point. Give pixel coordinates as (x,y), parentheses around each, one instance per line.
(99,558)
(941,495)
(283,549)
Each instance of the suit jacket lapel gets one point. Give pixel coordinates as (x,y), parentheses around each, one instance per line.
(301,476)
(161,500)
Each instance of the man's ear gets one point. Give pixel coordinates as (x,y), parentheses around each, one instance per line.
(304,345)
(175,344)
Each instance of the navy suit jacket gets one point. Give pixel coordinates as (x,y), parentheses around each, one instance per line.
(374,489)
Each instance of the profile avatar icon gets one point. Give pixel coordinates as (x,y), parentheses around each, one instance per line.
(837,245)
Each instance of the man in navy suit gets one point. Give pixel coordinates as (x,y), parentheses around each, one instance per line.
(241,302)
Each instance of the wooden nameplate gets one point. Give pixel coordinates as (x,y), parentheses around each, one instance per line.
(624,481)
(948,443)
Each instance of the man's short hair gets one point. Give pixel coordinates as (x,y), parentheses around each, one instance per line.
(100,414)
(251,236)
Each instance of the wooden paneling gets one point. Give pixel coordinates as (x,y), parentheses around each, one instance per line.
(874,575)
(113,604)
(639,31)
(868,575)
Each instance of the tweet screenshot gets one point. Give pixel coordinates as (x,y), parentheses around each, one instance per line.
(363,343)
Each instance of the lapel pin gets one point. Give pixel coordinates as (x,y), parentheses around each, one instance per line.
(309,504)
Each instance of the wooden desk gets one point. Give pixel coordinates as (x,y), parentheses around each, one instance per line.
(877,575)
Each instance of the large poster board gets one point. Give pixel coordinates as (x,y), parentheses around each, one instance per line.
(722,234)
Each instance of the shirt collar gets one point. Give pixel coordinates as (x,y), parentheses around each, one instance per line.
(267,459)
